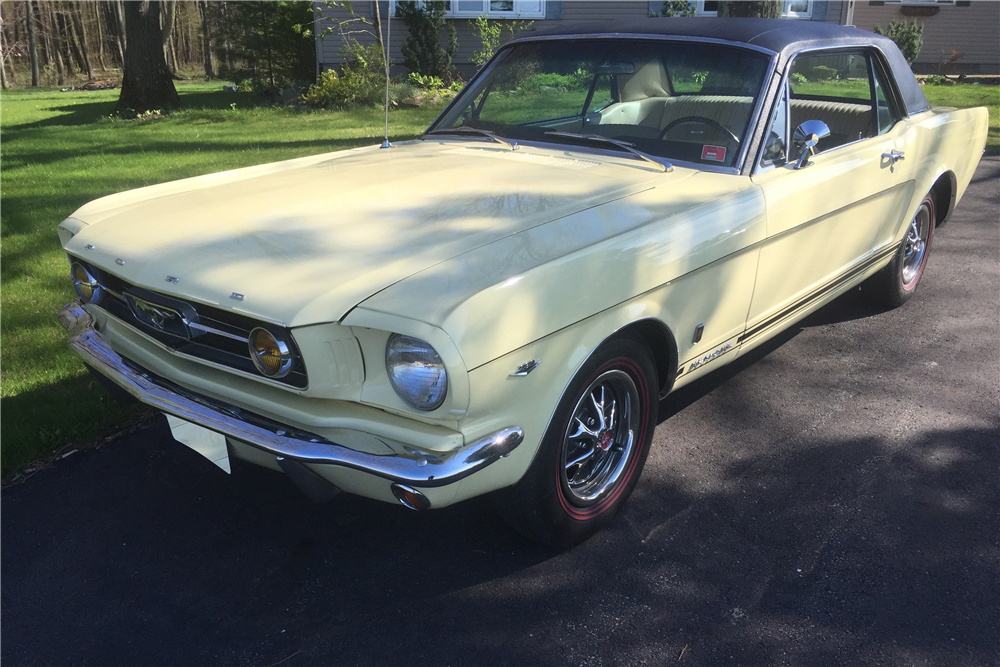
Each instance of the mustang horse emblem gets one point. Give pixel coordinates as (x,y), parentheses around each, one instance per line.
(156,316)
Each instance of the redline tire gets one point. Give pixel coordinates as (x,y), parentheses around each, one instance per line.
(572,490)
(895,284)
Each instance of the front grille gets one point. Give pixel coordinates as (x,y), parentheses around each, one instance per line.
(219,344)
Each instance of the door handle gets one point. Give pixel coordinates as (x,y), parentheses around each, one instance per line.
(895,156)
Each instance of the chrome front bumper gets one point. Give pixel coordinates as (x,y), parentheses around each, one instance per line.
(416,468)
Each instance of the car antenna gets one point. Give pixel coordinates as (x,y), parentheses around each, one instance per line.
(388,39)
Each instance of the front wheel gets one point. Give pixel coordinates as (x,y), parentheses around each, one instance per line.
(894,285)
(593,452)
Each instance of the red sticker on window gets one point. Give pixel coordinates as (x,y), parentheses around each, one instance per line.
(716,153)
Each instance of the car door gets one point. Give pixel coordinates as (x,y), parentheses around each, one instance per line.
(823,218)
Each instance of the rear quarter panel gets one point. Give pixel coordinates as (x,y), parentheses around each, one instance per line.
(936,142)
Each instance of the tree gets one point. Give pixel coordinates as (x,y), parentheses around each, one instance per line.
(269,41)
(32,52)
(206,37)
(909,37)
(147,84)
(765,9)
(422,51)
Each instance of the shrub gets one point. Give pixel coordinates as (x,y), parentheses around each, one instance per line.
(799,79)
(361,81)
(909,37)
(492,35)
(824,73)
(675,8)
(422,52)
(425,82)
(938,80)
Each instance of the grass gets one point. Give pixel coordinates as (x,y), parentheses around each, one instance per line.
(964,95)
(58,151)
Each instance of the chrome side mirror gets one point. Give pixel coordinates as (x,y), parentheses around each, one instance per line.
(806,136)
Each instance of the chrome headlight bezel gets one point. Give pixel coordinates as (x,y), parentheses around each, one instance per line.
(87,287)
(426,393)
(284,356)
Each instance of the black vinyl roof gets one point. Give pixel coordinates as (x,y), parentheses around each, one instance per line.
(782,36)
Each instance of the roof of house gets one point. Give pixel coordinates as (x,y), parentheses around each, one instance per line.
(781,36)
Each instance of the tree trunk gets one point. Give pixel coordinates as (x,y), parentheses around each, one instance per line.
(167,24)
(118,10)
(115,39)
(32,52)
(100,36)
(3,60)
(72,53)
(146,84)
(57,46)
(766,9)
(206,40)
(378,29)
(82,40)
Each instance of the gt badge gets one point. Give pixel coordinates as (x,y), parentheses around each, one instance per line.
(710,357)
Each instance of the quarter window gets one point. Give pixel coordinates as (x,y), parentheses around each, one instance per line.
(775,151)
(886,117)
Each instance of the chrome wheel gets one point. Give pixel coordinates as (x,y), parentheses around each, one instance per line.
(915,245)
(600,438)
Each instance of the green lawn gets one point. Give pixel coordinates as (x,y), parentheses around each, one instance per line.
(970,95)
(59,151)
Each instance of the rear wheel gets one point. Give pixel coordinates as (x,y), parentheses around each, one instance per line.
(593,452)
(894,285)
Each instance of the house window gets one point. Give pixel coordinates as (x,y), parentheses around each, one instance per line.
(793,9)
(495,9)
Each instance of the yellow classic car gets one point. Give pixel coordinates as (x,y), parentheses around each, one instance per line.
(604,214)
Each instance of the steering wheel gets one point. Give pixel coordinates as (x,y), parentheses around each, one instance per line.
(704,121)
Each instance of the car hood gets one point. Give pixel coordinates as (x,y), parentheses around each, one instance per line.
(306,240)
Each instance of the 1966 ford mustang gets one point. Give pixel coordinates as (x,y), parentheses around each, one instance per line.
(603,215)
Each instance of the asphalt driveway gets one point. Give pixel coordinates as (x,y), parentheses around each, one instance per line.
(832,499)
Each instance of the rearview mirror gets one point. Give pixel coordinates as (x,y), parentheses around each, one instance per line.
(806,136)
(616,67)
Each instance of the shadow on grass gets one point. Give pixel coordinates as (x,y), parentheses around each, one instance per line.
(71,411)
(84,113)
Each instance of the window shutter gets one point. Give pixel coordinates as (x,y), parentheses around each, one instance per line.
(819,10)
(553,10)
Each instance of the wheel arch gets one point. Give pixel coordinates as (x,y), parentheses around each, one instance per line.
(944,191)
(660,340)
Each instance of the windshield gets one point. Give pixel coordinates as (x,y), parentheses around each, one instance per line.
(674,100)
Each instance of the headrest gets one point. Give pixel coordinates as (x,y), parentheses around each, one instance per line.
(649,80)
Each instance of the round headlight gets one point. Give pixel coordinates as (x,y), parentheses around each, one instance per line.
(270,355)
(85,283)
(416,372)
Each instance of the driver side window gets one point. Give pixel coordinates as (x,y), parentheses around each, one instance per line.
(835,88)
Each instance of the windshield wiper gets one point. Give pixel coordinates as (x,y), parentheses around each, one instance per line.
(614,142)
(465,129)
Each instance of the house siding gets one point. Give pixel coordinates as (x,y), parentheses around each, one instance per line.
(328,52)
(973,29)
